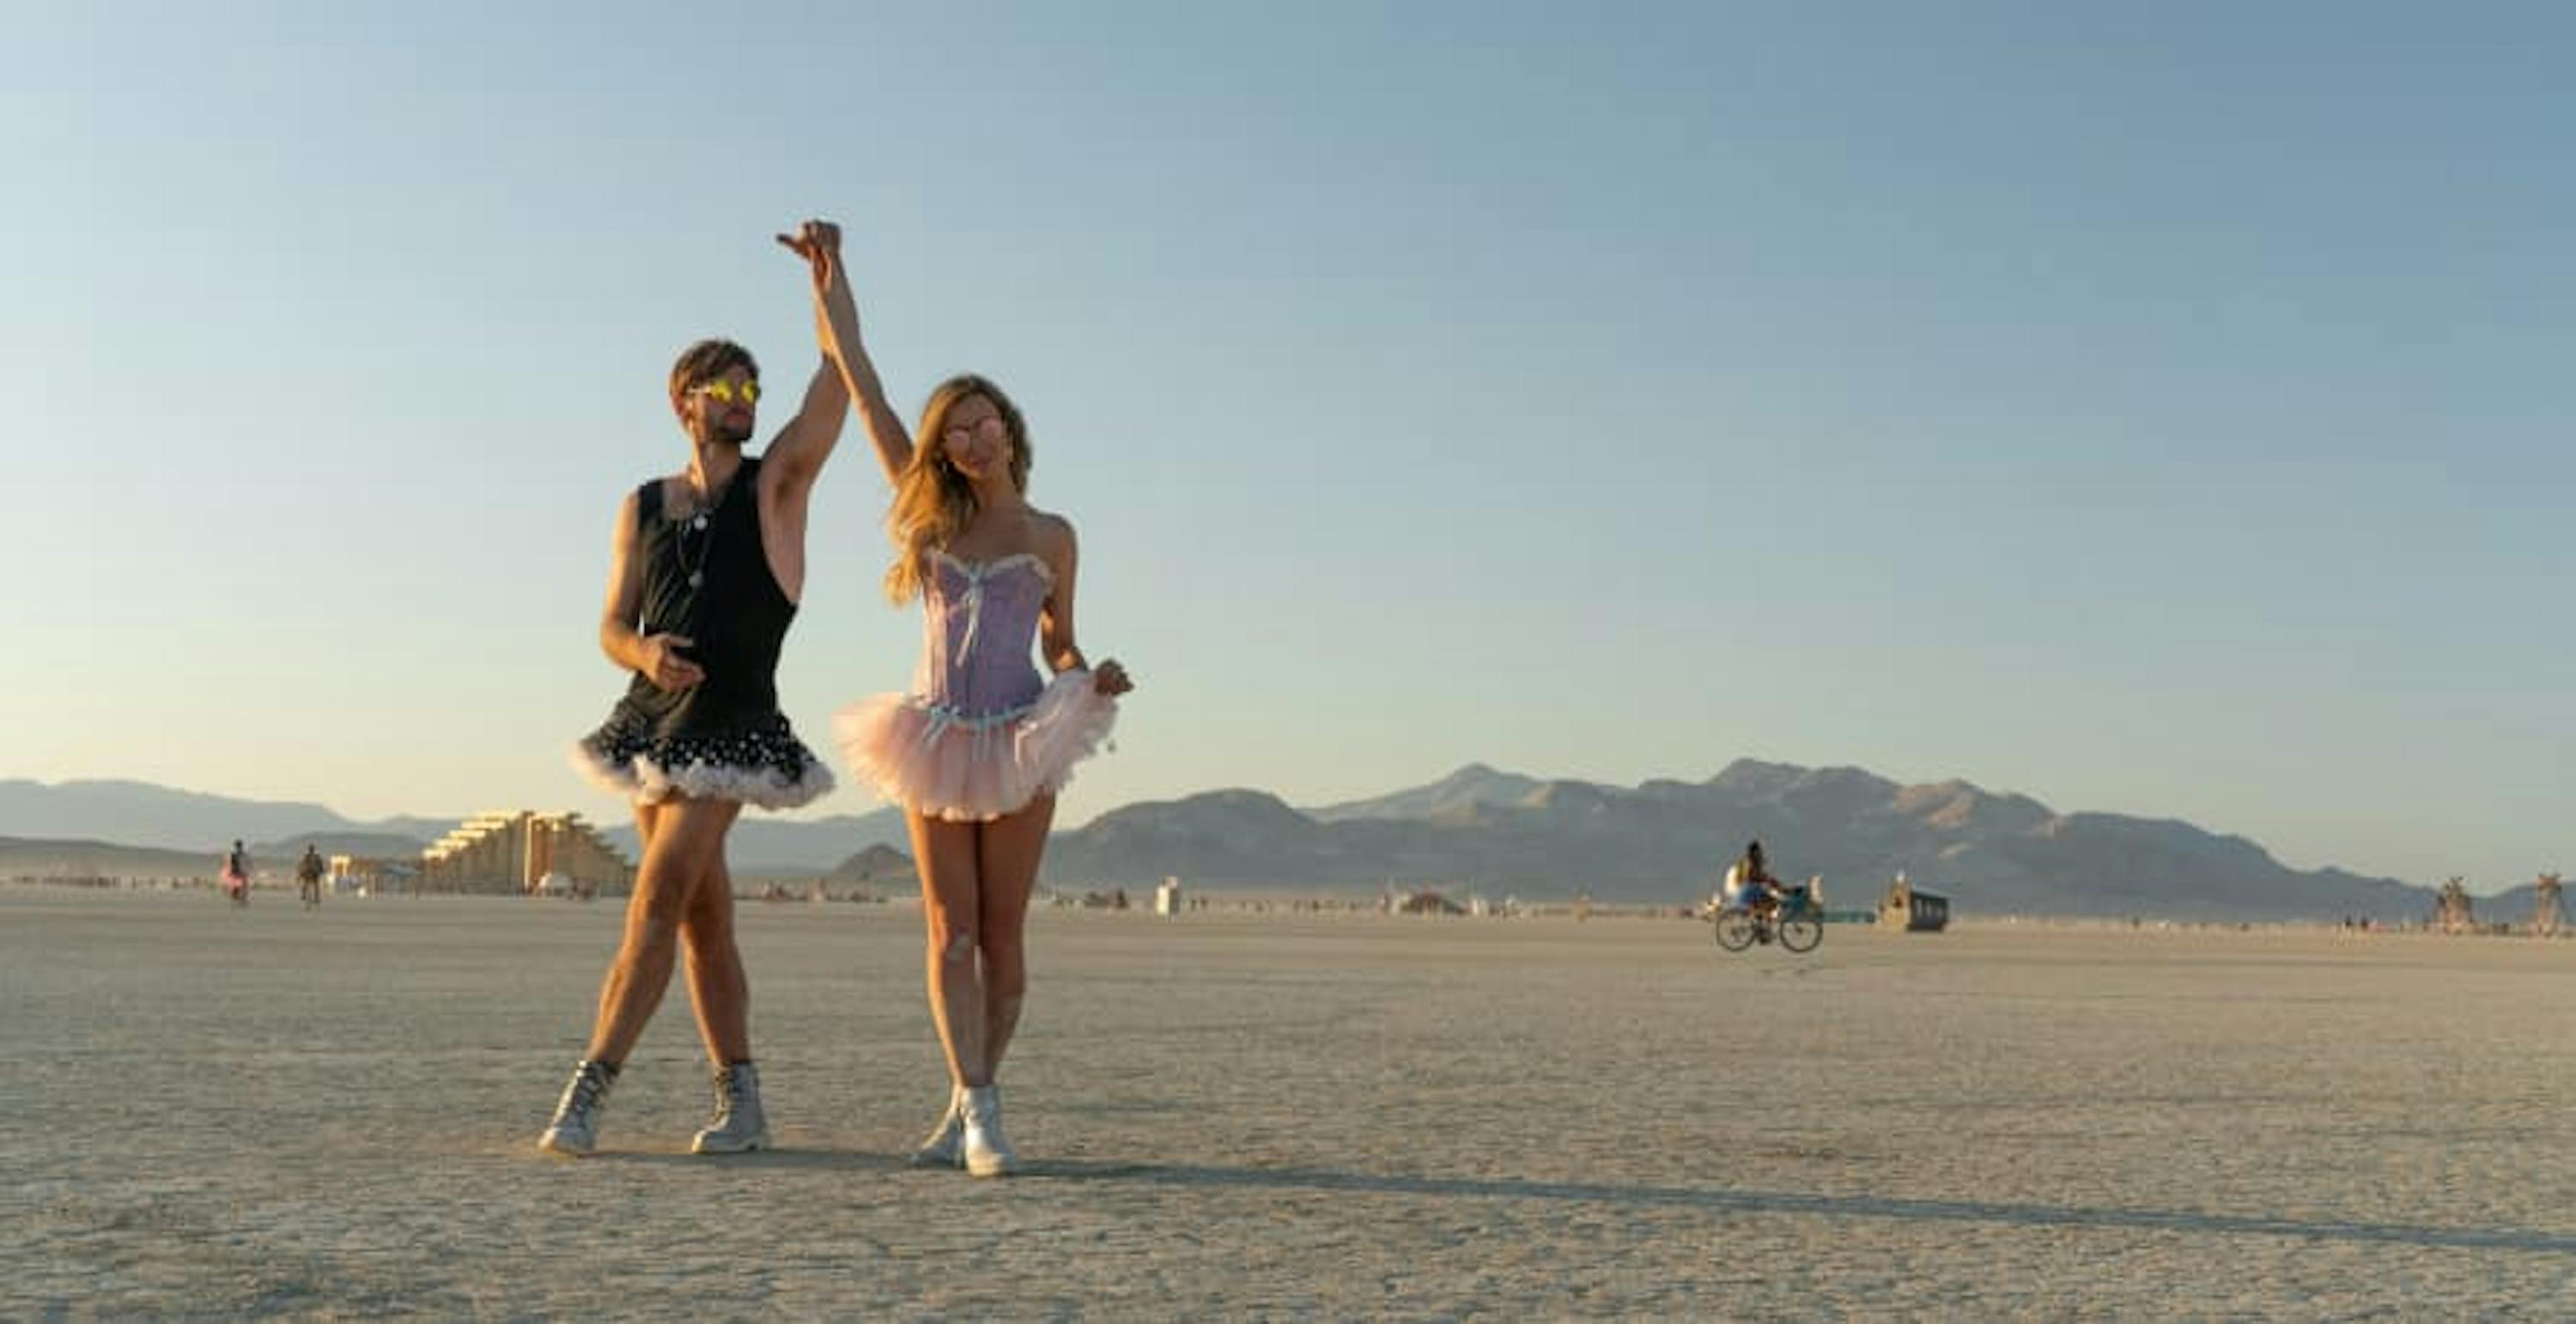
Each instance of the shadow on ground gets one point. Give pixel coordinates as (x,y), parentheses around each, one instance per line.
(1828,1206)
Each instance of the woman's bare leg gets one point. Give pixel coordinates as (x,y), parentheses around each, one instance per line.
(945,853)
(1007,862)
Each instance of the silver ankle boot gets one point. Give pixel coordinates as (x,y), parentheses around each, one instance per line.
(945,1146)
(739,1126)
(988,1153)
(575,1129)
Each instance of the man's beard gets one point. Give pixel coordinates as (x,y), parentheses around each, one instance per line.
(722,433)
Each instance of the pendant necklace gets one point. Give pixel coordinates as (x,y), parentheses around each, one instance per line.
(701,524)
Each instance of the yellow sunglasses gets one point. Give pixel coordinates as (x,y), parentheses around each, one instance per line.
(724,391)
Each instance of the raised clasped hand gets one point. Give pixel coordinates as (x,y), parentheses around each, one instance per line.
(819,243)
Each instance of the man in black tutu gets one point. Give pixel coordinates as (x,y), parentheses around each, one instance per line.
(705,570)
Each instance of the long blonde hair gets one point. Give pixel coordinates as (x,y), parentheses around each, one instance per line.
(932,501)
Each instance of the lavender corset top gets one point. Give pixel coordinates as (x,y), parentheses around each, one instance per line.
(979,621)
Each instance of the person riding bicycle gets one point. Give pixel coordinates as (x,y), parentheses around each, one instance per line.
(1749,884)
(236,874)
(308,877)
(1755,907)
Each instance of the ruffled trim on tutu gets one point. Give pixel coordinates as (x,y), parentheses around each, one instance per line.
(943,764)
(780,774)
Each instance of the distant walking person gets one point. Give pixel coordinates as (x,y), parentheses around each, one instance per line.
(705,569)
(308,877)
(236,872)
(976,753)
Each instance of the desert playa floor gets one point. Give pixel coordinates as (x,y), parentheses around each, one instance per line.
(333,1114)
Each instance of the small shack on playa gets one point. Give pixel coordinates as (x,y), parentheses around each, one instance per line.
(1909,909)
(1167,897)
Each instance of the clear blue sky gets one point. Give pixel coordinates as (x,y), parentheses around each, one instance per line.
(2163,410)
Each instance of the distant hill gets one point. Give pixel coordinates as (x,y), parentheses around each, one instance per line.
(142,814)
(766,847)
(1667,841)
(382,845)
(22,857)
(878,866)
(1478,828)
(1452,797)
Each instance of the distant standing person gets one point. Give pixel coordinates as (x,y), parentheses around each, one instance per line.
(308,877)
(236,872)
(976,753)
(705,570)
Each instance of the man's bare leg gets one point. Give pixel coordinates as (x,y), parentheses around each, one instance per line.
(678,839)
(719,986)
(721,992)
(687,839)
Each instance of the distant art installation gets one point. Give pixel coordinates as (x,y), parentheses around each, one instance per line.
(2453,913)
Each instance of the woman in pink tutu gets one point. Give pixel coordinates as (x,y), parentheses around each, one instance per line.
(977,750)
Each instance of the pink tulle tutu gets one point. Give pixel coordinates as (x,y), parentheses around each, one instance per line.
(944,764)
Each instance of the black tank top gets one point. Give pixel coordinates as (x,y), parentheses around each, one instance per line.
(737,614)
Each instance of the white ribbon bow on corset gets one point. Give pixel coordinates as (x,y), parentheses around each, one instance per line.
(974,611)
(941,718)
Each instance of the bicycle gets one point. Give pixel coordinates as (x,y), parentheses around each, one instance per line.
(1789,917)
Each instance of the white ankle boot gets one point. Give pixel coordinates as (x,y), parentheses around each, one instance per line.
(988,1153)
(575,1128)
(945,1146)
(741,1125)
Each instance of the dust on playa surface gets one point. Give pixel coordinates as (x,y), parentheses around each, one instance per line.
(334,1113)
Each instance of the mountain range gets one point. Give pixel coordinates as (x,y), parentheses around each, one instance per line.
(1499,832)
(1478,829)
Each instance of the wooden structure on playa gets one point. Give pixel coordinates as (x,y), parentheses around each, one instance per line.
(511,852)
(2452,910)
(2547,919)
(1912,910)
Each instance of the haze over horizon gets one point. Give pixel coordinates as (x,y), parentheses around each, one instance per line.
(2196,856)
(2157,413)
